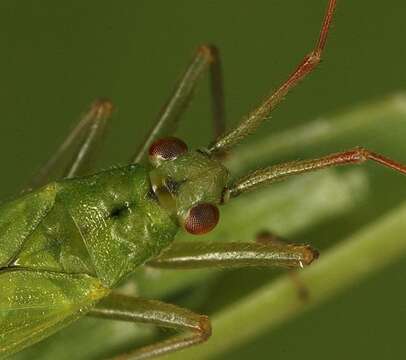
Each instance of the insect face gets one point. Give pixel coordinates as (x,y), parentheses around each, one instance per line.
(189,184)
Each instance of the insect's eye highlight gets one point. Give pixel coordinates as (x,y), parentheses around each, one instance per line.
(201,219)
(168,148)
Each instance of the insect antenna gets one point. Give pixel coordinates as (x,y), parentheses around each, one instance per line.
(254,119)
(276,173)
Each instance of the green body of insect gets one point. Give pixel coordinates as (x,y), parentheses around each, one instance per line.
(73,240)
(68,243)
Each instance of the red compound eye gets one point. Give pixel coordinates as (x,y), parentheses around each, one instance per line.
(168,148)
(202,218)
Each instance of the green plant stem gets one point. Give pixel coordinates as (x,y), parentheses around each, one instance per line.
(365,252)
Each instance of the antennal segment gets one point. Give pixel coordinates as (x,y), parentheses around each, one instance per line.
(261,113)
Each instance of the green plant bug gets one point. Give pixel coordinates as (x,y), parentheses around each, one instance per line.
(66,244)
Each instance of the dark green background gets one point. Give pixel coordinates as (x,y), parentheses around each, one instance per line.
(57,56)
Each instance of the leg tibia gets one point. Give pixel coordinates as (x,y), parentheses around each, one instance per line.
(126,308)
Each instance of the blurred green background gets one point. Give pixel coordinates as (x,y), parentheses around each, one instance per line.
(58,56)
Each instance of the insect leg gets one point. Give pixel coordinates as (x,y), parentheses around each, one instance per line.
(126,308)
(188,255)
(206,55)
(76,154)
(282,171)
(261,113)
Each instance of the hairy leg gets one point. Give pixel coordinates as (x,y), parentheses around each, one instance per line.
(134,309)
(77,153)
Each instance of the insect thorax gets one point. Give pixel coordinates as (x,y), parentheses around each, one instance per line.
(104,225)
